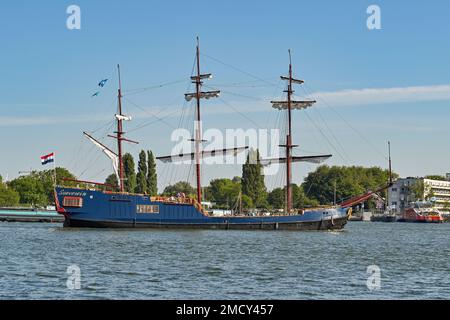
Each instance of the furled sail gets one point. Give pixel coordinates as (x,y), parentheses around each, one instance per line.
(203,95)
(310,159)
(109,153)
(297,81)
(205,154)
(122,117)
(295,105)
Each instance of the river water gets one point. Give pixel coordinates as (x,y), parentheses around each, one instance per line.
(413,260)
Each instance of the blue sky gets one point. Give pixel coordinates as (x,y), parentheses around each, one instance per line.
(389,84)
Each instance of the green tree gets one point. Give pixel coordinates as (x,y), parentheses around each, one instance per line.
(152,178)
(276,198)
(8,196)
(112,181)
(436,177)
(418,190)
(300,200)
(129,173)
(430,195)
(141,177)
(349,181)
(37,188)
(31,190)
(181,186)
(47,179)
(224,192)
(446,206)
(237,180)
(253,184)
(247,202)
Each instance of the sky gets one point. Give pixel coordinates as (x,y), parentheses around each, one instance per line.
(372,86)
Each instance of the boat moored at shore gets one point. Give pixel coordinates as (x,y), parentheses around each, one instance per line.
(104,209)
(99,208)
(422,212)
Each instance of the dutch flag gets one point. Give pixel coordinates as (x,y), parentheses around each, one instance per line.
(48,159)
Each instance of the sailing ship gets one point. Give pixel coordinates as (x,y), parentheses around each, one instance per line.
(102,208)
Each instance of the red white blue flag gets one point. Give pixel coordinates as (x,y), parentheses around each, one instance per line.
(48,158)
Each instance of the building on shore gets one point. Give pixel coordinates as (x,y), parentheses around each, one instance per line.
(404,191)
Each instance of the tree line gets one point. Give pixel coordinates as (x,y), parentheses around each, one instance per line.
(321,187)
(35,189)
(144,181)
(325,186)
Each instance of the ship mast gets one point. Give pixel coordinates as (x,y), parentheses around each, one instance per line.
(120,132)
(290,105)
(289,142)
(198,80)
(120,117)
(198,153)
(117,158)
(198,133)
(390,164)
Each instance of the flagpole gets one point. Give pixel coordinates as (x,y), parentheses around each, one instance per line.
(54,168)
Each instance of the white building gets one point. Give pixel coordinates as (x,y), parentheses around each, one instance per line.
(401,194)
(439,192)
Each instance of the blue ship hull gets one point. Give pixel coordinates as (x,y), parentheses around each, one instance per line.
(100,209)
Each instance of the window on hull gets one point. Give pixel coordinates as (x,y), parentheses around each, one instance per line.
(143,209)
(73,202)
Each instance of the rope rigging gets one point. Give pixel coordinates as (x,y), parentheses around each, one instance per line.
(187,114)
(367,141)
(157,86)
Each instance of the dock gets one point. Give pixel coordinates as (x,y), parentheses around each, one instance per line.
(15,215)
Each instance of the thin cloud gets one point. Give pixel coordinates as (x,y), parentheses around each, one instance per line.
(384,95)
(349,97)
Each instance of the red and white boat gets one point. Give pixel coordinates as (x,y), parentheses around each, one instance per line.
(423,212)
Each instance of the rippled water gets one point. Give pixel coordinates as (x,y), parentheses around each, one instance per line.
(129,264)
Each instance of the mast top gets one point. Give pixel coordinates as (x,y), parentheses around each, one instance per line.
(198,80)
(290,78)
(120,80)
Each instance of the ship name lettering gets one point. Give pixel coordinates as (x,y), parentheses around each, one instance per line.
(73,194)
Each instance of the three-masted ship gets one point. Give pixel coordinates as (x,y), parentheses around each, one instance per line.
(100,208)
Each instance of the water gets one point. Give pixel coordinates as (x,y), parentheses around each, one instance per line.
(129,264)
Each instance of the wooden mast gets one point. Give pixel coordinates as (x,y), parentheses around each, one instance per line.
(390,164)
(388,209)
(119,137)
(120,117)
(289,142)
(290,105)
(198,134)
(120,133)
(198,95)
